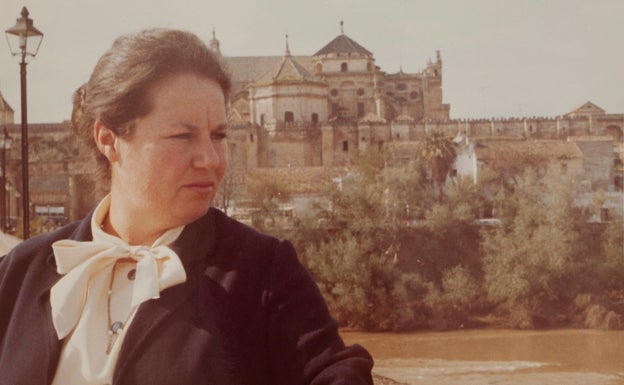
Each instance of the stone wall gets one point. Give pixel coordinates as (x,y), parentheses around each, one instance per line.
(62,170)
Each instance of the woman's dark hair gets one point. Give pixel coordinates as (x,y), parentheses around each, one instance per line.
(117,92)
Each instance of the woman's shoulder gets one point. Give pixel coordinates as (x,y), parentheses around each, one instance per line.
(230,228)
(42,244)
(233,240)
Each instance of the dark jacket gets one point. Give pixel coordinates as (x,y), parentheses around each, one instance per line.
(249,313)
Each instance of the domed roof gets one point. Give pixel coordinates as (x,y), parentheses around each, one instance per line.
(343,44)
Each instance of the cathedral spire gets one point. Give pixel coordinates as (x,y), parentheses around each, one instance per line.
(287,47)
(341,27)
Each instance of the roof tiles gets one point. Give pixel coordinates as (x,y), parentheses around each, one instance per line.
(343,44)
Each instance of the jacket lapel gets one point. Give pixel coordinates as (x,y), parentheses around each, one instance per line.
(54,345)
(193,247)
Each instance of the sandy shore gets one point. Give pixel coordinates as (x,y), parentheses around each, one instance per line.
(380,380)
(399,372)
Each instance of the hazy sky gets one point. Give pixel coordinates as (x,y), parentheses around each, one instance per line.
(501,58)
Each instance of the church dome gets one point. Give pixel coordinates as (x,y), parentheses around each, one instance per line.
(343,44)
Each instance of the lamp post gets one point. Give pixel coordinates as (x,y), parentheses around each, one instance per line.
(8,201)
(5,143)
(24,40)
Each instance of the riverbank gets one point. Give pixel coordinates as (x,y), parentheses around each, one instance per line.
(476,357)
(604,311)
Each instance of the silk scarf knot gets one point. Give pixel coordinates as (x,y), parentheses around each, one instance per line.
(157,268)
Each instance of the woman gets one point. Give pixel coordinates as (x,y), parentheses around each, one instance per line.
(154,286)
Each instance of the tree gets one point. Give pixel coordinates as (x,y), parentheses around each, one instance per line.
(452,302)
(361,285)
(230,188)
(531,259)
(265,194)
(453,235)
(611,262)
(508,165)
(439,151)
(356,263)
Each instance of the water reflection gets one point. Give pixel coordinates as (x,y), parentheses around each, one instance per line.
(498,356)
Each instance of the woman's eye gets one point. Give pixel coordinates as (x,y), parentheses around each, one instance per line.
(185,135)
(218,135)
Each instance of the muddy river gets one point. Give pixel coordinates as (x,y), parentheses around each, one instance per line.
(477,357)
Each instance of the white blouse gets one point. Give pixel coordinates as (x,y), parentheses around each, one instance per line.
(105,279)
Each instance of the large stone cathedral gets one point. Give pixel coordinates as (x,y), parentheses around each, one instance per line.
(311,111)
(302,118)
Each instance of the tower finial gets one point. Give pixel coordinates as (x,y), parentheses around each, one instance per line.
(342,27)
(287,47)
(214,42)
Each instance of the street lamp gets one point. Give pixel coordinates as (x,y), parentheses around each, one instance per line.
(5,143)
(8,201)
(24,40)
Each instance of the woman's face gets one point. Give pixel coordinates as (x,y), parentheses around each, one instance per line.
(168,171)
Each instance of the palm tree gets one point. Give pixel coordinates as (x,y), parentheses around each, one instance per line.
(439,152)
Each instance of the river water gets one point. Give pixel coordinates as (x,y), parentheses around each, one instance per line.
(478,357)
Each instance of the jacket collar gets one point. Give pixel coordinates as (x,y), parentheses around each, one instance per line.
(197,238)
(82,231)
(194,245)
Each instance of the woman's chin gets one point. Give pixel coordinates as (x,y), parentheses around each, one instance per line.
(192,213)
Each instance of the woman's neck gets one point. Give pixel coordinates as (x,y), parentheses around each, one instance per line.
(126,225)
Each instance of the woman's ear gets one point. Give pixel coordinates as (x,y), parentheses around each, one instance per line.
(105,140)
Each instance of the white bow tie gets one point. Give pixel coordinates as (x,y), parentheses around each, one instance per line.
(158,267)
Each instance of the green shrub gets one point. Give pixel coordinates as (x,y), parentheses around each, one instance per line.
(451,305)
(362,286)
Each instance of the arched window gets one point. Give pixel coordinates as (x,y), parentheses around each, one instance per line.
(262,119)
(315,118)
(318,68)
(369,66)
(289,117)
(343,67)
(360,107)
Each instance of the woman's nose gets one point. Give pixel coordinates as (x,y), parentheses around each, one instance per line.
(206,155)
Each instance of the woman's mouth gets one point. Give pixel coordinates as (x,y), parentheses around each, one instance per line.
(201,187)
